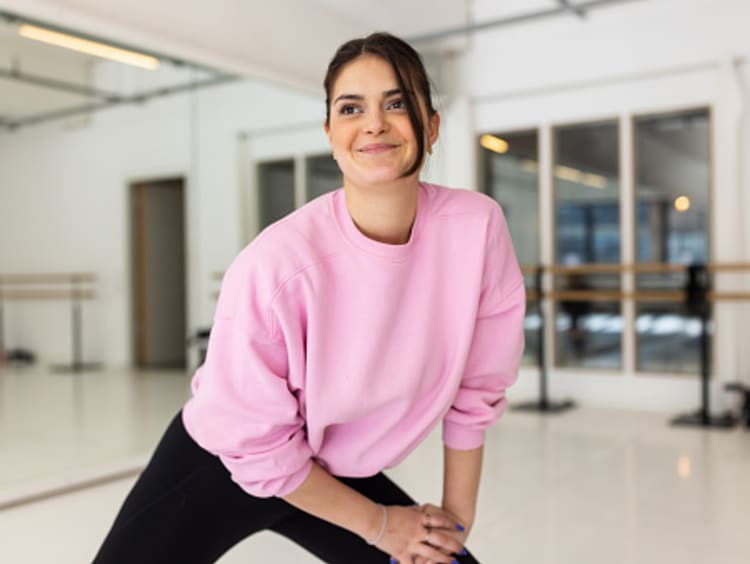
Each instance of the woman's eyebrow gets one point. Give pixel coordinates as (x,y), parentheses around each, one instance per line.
(386,94)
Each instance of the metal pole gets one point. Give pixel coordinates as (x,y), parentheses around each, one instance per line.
(696,296)
(541,357)
(76,317)
(2,323)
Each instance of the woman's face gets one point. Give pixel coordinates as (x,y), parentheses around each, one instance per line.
(369,129)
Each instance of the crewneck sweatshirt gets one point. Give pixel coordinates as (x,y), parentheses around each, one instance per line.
(333,347)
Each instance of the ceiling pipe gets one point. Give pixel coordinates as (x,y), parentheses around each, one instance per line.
(562,9)
(60,85)
(140,98)
(572,8)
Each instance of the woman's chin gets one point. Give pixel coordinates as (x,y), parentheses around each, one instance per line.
(378,177)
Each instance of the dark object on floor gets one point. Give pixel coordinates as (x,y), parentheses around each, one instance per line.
(19,357)
(745,391)
(200,340)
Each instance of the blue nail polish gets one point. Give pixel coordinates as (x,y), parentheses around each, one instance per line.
(463,552)
(394,561)
(460,528)
(455,562)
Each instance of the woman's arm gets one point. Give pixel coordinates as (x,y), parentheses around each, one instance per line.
(322,495)
(461,472)
(326,497)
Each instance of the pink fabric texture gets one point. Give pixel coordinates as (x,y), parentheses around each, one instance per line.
(331,346)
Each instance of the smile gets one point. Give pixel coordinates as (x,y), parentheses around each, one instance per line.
(377,148)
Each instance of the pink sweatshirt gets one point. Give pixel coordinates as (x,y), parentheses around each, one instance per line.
(333,347)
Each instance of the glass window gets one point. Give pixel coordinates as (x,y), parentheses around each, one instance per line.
(275,190)
(323,175)
(672,214)
(587,231)
(511,177)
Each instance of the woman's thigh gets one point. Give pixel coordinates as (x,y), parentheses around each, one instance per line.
(185,508)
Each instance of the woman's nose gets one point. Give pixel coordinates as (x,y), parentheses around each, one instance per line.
(376,122)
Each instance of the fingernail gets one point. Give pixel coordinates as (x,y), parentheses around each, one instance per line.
(463,552)
(394,561)
(455,562)
(460,528)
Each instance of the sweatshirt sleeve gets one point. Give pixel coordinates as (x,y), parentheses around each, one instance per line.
(242,409)
(496,345)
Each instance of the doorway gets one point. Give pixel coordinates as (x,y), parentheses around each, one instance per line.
(158,268)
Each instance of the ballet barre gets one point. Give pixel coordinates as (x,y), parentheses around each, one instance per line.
(696,294)
(73,287)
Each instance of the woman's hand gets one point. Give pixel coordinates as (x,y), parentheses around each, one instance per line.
(411,535)
(456,530)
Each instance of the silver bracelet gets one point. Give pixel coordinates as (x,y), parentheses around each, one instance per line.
(379,537)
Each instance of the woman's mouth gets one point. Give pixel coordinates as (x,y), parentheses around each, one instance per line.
(377,148)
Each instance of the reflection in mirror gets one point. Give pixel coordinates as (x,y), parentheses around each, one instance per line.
(323,175)
(48,74)
(89,149)
(275,191)
(511,177)
(587,231)
(672,213)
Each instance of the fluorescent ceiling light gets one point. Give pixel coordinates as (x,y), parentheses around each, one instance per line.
(494,143)
(568,173)
(530,166)
(89,47)
(579,177)
(594,180)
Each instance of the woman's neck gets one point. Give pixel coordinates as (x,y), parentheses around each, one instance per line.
(384,213)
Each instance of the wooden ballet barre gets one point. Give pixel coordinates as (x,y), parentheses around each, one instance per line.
(727,266)
(17,287)
(44,278)
(637,268)
(727,296)
(47,294)
(639,296)
(616,295)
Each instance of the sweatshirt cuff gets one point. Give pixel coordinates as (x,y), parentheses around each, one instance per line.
(459,437)
(296,480)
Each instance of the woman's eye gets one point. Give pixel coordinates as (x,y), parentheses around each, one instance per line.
(349,109)
(397,104)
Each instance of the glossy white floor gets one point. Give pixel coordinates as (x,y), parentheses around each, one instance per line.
(585,487)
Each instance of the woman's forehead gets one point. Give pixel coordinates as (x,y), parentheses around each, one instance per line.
(366,72)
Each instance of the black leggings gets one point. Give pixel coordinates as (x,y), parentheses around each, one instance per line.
(185,508)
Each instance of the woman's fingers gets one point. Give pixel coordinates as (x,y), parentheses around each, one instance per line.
(439,520)
(443,542)
(433,555)
(417,536)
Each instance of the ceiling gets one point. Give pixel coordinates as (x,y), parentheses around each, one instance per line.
(202,43)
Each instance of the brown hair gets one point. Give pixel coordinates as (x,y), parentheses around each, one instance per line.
(410,74)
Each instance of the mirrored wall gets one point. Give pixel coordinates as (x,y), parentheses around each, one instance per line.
(277,181)
(672,204)
(511,176)
(671,210)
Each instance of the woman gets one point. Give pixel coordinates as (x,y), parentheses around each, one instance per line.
(343,334)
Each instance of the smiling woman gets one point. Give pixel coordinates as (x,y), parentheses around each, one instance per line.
(344,333)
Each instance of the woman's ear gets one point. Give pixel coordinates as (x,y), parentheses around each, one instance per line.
(433,129)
